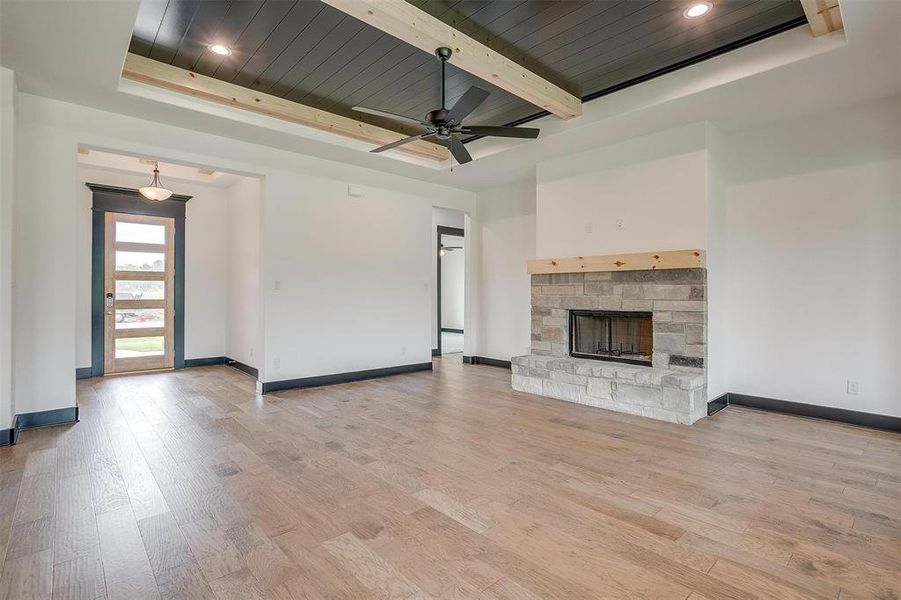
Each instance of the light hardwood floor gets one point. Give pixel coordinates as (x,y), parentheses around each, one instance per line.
(442,485)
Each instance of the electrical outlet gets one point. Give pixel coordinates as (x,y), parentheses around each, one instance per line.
(277,363)
(589,227)
(620,224)
(403,350)
(277,285)
(853,387)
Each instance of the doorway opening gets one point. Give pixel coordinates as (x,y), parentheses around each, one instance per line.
(451,289)
(139,290)
(166,284)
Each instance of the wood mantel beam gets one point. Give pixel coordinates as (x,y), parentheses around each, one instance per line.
(639,261)
(414,26)
(824,16)
(145,70)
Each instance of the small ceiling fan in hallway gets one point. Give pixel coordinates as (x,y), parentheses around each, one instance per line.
(445,126)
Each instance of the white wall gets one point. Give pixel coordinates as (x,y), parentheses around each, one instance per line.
(813,259)
(304,201)
(245,318)
(507,235)
(206,288)
(447,218)
(353,276)
(7,198)
(453,271)
(656,186)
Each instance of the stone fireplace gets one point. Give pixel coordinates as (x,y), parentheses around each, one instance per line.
(632,341)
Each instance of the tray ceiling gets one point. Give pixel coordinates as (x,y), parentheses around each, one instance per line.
(308,52)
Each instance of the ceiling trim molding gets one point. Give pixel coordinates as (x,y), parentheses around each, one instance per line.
(414,26)
(824,16)
(152,72)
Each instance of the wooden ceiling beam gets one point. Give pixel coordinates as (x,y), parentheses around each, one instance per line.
(145,70)
(824,16)
(414,26)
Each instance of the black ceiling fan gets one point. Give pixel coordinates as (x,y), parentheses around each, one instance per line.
(445,126)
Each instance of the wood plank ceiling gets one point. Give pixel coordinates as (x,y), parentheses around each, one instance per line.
(307,52)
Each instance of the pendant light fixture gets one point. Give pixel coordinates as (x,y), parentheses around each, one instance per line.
(155,191)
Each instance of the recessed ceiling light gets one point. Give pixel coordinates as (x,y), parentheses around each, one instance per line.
(698,9)
(220,49)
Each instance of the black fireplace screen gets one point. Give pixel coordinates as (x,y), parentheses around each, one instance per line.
(607,335)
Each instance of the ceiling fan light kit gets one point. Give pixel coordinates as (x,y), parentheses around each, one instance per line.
(445,125)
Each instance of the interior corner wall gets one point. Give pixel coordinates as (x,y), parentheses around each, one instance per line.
(244,331)
(506,217)
(447,218)
(8,126)
(717,267)
(813,259)
(45,250)
(347,277)
(206,270)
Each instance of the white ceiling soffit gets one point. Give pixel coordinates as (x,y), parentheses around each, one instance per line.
(74,51)
(121,163)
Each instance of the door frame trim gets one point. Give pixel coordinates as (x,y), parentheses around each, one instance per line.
(107,198)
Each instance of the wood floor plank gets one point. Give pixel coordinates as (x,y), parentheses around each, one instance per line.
(372,570)
(75,534)
(184,582)
(80,578)
(126,568)
(37,498)
(27,577)
(164,543)
(446,484)
(238,586)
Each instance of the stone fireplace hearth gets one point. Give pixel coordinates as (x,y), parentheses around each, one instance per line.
(651,367)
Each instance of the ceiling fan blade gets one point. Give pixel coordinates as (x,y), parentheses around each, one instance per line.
(388,115)
(510,132)
(467,103)
(459,151)
(400,142)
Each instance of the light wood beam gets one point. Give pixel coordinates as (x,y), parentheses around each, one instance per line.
(418,28)
(824,16)
(145,70)
(639,261)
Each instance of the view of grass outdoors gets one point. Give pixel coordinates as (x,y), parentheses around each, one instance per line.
(139,346)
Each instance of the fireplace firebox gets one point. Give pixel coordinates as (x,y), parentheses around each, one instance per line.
(619,336)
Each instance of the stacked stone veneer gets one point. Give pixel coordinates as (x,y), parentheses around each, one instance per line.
(664,394)
(673,388)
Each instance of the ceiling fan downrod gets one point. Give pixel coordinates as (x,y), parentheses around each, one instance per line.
(444,53)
